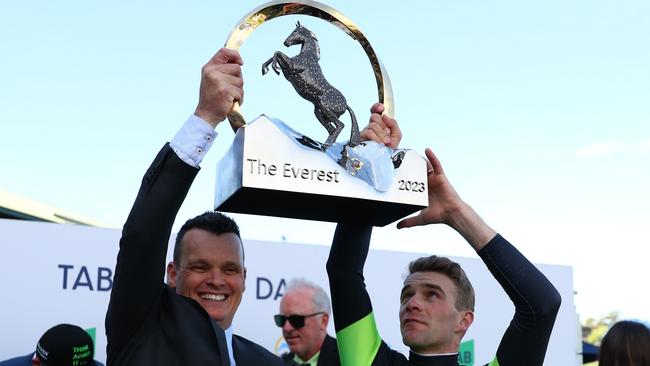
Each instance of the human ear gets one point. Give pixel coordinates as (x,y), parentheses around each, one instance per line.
(171,274)
(325,320)
(466,320)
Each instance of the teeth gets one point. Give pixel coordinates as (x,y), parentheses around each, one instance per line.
(213,297)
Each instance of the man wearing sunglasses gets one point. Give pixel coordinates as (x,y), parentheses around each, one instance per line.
(304,314)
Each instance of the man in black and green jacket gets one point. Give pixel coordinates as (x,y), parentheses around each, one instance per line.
(437,300)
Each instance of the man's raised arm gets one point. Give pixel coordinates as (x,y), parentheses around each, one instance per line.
(140,268)
(536,300)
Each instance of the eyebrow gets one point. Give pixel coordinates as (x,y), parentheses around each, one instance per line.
(434,287)
(232,264)
(430,286)
(206,262)
(197,261)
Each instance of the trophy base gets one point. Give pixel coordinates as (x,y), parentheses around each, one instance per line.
(269,170)
(292,205)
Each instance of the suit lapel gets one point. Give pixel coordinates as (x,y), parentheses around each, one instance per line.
(223,346)
(239,349)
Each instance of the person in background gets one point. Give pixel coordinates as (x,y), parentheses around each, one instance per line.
(61,345)
(627,343)
(304,314)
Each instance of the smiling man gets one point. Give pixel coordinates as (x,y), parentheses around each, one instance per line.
(304,314)
(189,320)
(437,299)
(208,265)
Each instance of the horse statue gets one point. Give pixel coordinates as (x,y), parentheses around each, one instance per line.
(304,73)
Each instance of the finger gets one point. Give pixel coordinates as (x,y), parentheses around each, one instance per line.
(226,90)
(429,167)
(218,74)
(433,160)
(391,123)
(377,108)
(233,95)
(237,94)
(382,133)
(229,69)
(239,98)
(409,222)
(376,118)
(237,81)
(369,135)
(226,56)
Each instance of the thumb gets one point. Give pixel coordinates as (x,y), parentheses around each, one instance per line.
(377,108)
(409,222)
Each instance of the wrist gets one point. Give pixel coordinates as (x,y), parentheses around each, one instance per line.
(209,118)
(470,226)
(458,216)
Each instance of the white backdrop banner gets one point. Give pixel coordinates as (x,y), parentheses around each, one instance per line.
(55,273)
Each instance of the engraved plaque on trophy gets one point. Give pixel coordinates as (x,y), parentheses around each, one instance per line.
(272,169)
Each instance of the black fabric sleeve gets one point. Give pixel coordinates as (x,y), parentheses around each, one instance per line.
(350,300)
(536,302)
(140,268)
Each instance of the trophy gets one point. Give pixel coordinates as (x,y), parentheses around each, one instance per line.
(272,169)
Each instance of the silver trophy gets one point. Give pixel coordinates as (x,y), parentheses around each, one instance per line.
(272,169)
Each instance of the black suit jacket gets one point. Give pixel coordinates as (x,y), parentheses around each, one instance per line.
(248,353)
(329,354)
(147,323)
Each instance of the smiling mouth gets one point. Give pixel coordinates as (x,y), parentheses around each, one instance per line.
(214,297)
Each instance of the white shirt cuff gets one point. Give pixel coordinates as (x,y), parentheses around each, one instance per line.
(193,140)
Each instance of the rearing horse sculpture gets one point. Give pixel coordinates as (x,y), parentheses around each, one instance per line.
(304,73)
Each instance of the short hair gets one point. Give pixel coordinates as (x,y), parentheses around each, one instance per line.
(320,300)
(464,291)
(626,343)
(210,221)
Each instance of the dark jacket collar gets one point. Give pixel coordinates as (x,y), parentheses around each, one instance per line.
(435,360)
(329,354)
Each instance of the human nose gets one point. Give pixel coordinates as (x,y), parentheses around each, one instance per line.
(413,304)
(287,327)
(215,278)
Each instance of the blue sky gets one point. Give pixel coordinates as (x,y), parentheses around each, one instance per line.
(540,113)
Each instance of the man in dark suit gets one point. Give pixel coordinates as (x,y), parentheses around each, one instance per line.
(61,345)
(304,314)
(188,321)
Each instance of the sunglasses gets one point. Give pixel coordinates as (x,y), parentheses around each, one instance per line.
(296,321)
